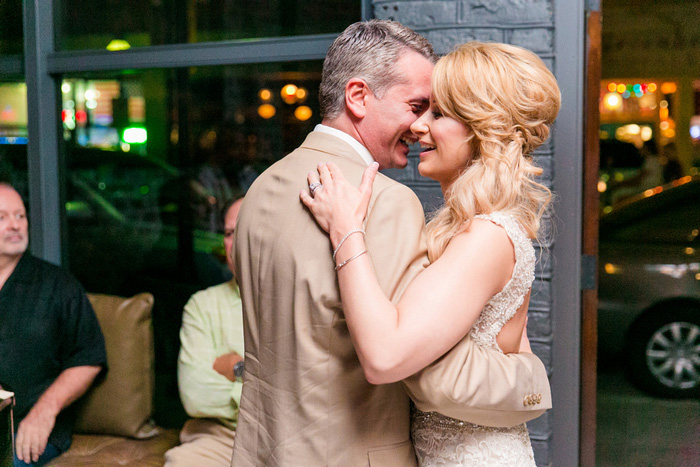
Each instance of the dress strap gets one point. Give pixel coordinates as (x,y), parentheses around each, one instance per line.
(506,303)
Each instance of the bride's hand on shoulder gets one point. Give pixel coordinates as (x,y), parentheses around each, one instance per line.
(336,204)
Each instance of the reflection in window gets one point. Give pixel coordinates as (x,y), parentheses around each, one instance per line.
(662,220)
(13,136)
(13,113)
(153,156)
(11,40)
(91,24)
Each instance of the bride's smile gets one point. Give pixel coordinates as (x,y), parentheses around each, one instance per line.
(445,144)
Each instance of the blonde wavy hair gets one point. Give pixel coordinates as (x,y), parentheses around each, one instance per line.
(508,99)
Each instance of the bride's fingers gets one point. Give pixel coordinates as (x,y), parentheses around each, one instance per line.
(335,171)
(312,177)
(306,198)
(325,174)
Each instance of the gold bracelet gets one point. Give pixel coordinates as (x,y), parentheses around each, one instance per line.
(337,268)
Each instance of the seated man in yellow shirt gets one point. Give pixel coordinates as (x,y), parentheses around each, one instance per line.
(210,368)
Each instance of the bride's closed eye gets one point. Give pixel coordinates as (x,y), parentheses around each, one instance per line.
(436,114)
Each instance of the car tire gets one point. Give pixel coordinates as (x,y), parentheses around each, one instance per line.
(664,350)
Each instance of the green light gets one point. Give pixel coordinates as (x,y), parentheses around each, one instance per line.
(135,135)
(118,44)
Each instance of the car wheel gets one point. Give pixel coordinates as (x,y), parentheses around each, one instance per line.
(664,350)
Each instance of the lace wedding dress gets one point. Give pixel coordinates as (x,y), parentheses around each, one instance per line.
(444,441)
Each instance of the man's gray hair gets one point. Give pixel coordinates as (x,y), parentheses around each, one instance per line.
(368,50)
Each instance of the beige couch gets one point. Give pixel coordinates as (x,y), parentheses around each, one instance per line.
(114,424)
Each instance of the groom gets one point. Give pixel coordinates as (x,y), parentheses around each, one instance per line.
(305,399)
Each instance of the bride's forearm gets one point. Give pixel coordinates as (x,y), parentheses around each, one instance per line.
(372,318)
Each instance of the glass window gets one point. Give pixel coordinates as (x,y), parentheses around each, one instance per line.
(90,24)
(12,28)
(153,156)
(151,159)
(13,136)
(671,217)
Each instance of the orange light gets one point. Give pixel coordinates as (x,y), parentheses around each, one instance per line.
(668,87)
(303,113)
(651,87)
(621,88)
(265,95)
(301,94)
(289,93)
(267,111)
(663,113)
(289,90)
(612,87)
(612,101)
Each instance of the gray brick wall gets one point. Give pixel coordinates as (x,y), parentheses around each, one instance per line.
(529,24)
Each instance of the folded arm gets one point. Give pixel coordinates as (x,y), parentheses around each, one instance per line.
(206,382)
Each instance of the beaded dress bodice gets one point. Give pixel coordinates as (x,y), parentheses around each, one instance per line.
(444,441)
(503,306)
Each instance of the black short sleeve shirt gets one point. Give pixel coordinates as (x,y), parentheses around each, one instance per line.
(46,325)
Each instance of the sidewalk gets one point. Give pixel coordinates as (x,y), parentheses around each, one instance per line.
(638,430)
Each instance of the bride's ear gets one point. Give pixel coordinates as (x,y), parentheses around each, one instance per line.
(356,94)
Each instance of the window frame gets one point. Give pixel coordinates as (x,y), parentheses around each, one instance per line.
(43,67)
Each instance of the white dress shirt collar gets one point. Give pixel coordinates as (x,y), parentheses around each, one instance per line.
(356,145)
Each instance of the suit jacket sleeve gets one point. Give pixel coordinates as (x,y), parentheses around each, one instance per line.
(475,384)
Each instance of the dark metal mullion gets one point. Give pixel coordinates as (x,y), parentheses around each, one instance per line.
(43,123)
(191,55)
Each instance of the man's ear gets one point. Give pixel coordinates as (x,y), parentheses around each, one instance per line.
(356,94)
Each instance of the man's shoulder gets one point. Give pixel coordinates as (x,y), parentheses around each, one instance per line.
(389,188)
(317,147)
(226,291)
(51,280)
(326,147)
(41,270)
(225,288)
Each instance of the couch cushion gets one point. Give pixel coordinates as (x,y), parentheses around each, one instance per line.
(121,404)
(103,451)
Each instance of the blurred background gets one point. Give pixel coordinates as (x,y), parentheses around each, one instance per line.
(150,148)
(649,256)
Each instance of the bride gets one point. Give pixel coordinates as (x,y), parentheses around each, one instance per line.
(491,106)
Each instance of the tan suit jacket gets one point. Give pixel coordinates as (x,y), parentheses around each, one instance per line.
(305,399)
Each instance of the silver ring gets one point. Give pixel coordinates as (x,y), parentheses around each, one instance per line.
(315,186)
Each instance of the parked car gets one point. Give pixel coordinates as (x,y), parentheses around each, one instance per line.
(649,288)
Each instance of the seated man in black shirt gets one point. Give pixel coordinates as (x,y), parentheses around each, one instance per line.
(51,345)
